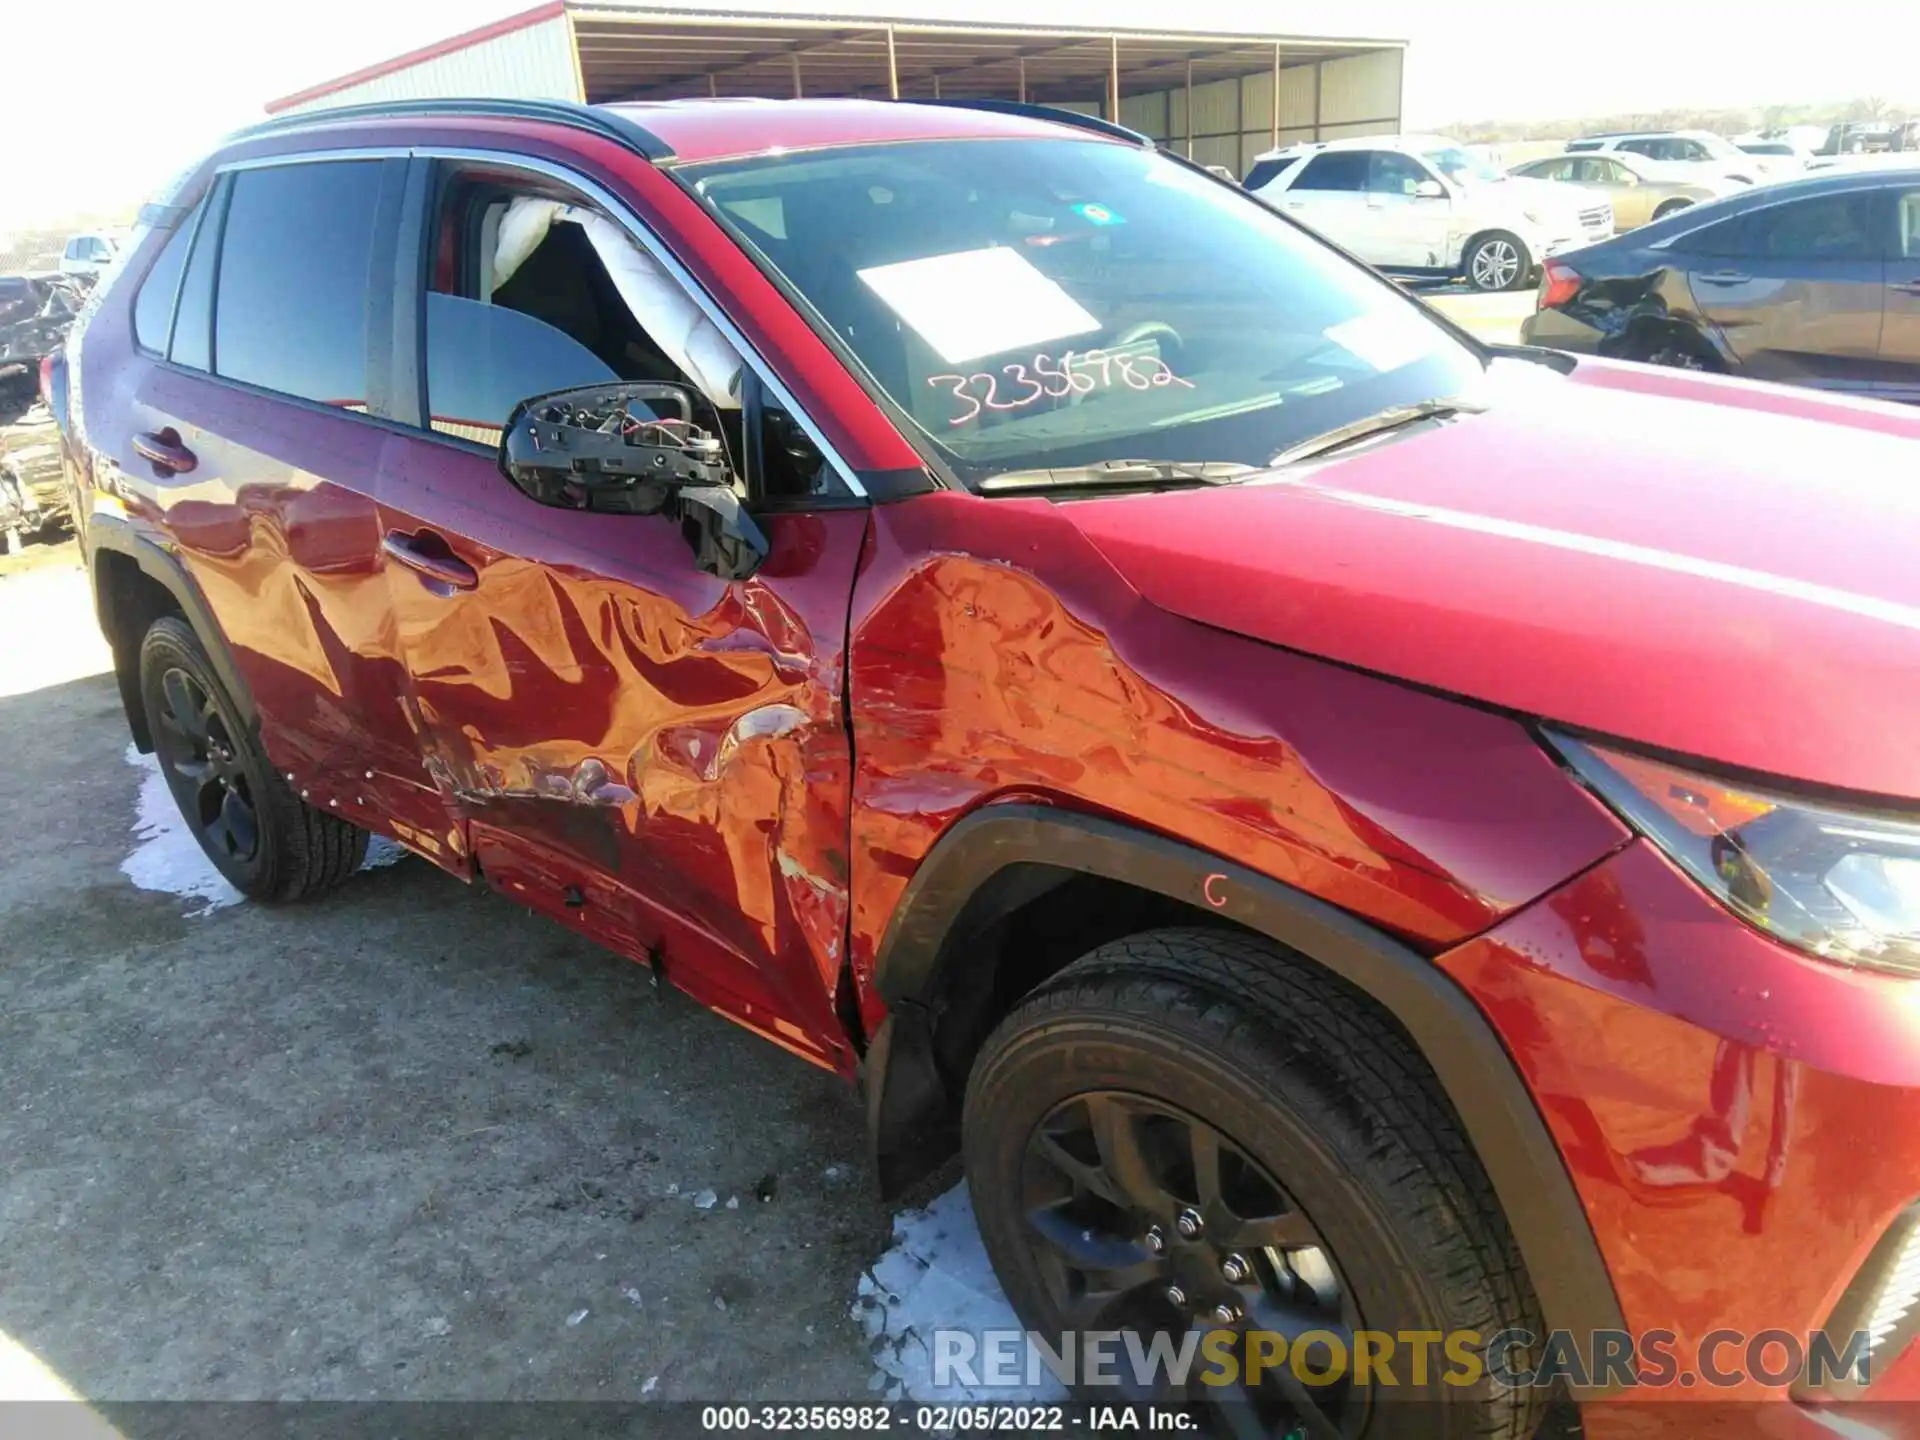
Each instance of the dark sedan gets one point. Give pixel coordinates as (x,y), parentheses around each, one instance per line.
(1815,282)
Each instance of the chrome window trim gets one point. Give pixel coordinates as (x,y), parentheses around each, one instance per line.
(624,216)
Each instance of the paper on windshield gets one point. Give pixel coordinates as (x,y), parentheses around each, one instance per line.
(978,302)
(1386,341)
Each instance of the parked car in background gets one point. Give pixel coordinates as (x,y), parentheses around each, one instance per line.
(1814,282)
(1780,156)
(35,311)
(1700,148)
(1420,205)
(1639,189)
(90,253)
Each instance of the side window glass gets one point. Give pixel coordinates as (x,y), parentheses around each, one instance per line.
(291,313)
(1828,227)
(193,321)
(1909,220)
(1394,174)
(1728,238)
(1335,170)
(153,305)
(482,360)
(1649,148)
(1265,172)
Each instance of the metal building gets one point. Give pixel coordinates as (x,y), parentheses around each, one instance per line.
(1221,97)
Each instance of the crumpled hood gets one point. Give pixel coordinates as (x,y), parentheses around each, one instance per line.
(1726,570)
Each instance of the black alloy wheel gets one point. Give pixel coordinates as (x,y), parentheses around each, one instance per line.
(205,769)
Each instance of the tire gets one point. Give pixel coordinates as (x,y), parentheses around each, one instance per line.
(1497,260)
(1302,1079)
(1671,207)
(267,841)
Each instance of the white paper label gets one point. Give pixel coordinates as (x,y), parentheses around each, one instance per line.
(978,302)
(1385,341)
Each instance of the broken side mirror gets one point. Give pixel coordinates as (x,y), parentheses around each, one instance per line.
(632,448)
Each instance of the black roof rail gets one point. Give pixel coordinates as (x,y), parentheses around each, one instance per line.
(1053,113)
(590,118)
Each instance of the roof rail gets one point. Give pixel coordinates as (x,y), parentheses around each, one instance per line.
(1053,113)
(590,118)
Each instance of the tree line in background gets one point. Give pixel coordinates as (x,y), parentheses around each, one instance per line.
(1729,121)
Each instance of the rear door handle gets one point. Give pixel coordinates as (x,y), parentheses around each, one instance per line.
(1723,277)
(443,570)
(164,450)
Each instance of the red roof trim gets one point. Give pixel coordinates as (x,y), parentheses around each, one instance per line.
(524,20)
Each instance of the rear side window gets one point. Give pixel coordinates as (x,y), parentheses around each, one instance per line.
(1574,146)
(1335,170)
(291,314)
(153,306)
(193,318)
(1826,227)
(1265,172)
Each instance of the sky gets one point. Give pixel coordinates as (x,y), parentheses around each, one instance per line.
(140,90)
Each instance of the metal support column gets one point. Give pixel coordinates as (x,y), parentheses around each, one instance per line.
(1023,79)
(795,57)
(1276,96)
(1113,78)
(893,67)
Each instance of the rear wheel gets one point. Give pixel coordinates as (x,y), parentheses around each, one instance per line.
(1497,261)
(267,841)
(1194,1130)
(1671,207)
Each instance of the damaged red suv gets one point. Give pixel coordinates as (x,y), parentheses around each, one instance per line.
(1343,829)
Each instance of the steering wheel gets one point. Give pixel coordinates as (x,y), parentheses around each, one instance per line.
(1152,330)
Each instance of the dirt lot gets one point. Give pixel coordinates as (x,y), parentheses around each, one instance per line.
(409,1141)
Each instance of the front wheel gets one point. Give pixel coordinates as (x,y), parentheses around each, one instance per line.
(1192,1130)
(268,842)
(1498,261)
(1671,207)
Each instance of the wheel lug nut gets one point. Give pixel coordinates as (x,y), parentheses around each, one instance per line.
(1235,1269)
(1226,1314)
(1176,1296)
(1156,1239)
(1189,1224)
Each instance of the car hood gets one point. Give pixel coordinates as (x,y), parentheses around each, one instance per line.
(1540,196)
(1711,567)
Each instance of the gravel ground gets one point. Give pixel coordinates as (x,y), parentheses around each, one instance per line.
(407,1142)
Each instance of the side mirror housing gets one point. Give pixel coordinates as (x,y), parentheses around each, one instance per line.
(631,448)
(1429,190)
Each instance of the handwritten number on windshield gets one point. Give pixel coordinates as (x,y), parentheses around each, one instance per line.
(1044,378)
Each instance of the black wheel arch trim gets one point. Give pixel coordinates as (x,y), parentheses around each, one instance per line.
(165,569)
(911,1115)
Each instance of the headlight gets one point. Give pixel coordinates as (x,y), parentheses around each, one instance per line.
(1842,884)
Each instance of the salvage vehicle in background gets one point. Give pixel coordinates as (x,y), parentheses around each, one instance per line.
(1699,149)
(1637,188)
(90,253)
(1009,618)
(35,311)
(1420,205)
(1815,282)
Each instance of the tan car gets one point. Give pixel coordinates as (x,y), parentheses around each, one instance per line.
(1640,189)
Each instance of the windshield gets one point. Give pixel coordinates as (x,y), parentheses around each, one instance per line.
(1049,304)
(1460,167)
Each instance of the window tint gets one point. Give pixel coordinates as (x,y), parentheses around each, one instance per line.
(1828,227)
(292,309)
(1393,174)
(193,318)
(153,306)
(482,360)
(1265,172)
(1335,170)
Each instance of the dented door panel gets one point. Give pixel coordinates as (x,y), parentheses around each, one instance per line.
(656,756)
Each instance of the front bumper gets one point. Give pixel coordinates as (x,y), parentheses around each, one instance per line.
(1741,1122)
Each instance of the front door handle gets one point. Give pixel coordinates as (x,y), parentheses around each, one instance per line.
(164,450)
(444,570)
(1723,277)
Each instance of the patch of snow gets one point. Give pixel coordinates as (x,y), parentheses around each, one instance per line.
(705,1200)
(167,858)
(936,1277)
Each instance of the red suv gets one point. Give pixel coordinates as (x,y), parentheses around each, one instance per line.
(1344,829)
